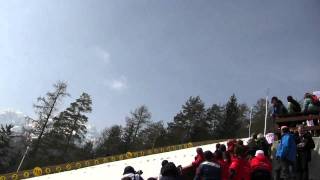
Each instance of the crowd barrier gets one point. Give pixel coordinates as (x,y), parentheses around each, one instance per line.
(39,171)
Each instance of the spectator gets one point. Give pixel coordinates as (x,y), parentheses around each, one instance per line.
(227,158)
(277,107)
(252,145)
(209,169)
(293,105)
(199,158)
(218,156)
(163,163)
(230,145)
(189,171)
(223,148)
(225,154)
(217,147)
(286,155)
(130,173)
(305,144)
(170,172)
(239,168)
(263,144)
(261,167)
(308,105)
(274,146)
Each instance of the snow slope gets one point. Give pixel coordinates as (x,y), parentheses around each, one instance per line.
(150,165)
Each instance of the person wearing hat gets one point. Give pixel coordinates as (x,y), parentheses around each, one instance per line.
(285,155)
(130,173)
(261,167)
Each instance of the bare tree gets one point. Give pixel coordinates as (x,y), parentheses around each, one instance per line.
(45,109)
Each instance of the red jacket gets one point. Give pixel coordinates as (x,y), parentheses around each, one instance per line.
(241,167)
(198,160)
(225,169)
(260,162)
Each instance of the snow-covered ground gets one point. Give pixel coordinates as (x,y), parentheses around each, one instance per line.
(150,165)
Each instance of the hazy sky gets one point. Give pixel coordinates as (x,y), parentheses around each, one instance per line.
(157,52)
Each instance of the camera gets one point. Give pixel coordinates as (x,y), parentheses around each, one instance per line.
(139,172)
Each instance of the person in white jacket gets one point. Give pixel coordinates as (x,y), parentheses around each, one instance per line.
(130,174)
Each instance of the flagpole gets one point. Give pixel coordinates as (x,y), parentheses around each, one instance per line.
(265,117)
(250,122)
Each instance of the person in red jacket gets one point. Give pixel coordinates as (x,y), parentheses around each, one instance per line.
(199,158)
(240,167)
(218,156)
(261,167)
(231,145)
(190,170)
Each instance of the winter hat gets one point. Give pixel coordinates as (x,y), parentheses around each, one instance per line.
(169,170)
(208,155)
(223,148)
(259,153)
(164,162)
(128,170)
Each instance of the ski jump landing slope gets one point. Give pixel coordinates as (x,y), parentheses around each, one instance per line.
(150,165)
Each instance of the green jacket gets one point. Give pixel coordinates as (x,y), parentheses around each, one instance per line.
(309,107)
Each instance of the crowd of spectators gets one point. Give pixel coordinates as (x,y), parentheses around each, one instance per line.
(285,158)
(309,106)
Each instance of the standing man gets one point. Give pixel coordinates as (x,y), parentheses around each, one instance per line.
(285,155)
(305,144)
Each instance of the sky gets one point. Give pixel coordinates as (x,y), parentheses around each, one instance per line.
(157,52)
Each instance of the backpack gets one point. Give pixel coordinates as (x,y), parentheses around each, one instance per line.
(315,100)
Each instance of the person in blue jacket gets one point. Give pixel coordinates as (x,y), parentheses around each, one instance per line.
(285,155)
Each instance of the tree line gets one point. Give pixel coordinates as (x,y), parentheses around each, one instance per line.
(59,136)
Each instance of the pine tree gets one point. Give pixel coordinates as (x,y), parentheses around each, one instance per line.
(154,135)
(5,133)
(110,142)
(214,114)
(244,121)
(190,124)
(230,124)
(70,125)
(258,116)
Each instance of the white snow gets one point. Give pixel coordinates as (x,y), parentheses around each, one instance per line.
(150,165)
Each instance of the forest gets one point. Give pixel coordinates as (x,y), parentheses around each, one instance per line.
(59,135)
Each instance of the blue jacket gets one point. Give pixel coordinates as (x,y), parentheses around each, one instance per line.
(287,148)
(208,171)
